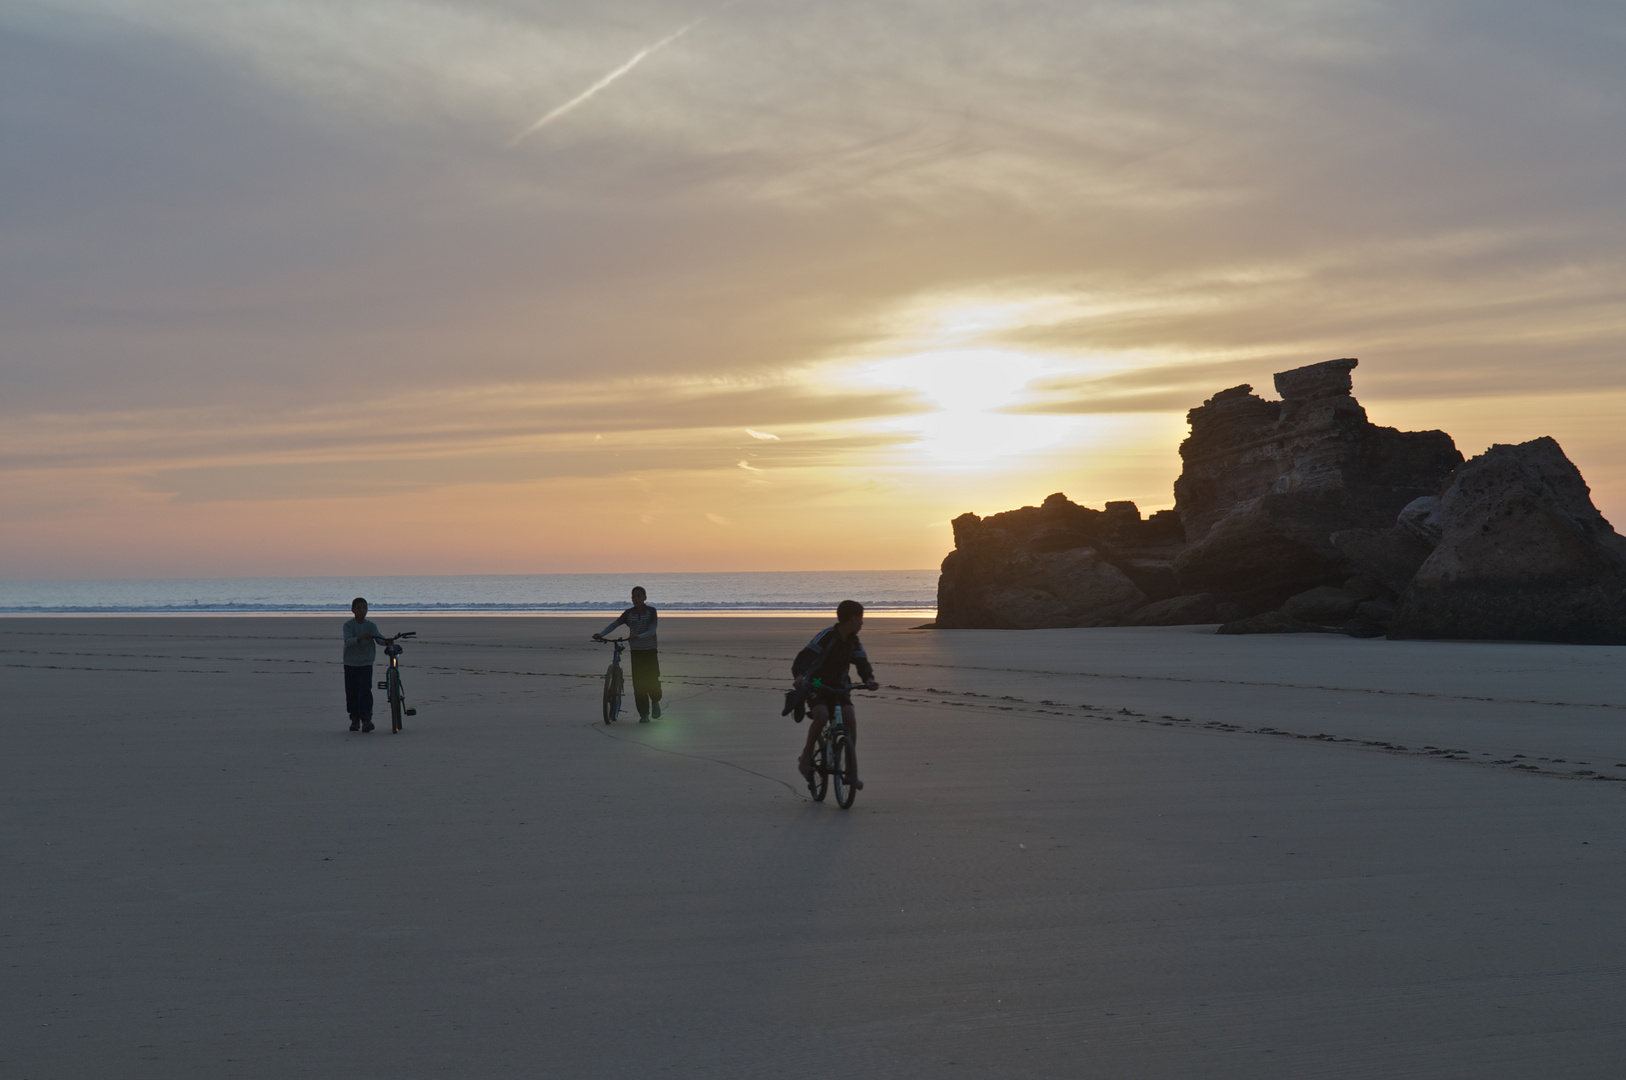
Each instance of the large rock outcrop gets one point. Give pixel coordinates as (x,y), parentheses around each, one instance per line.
(1266,484)
(1058,564)
(1521,553)
(1300,515)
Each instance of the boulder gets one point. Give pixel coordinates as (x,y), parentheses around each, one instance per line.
(1364,588)
(1352,608)
(1265,485)
(1389,556)
(1378,612)
(1421,518)
(1323,605)
(1522,554)
(1177,611)
(1056,564)
(1026,589)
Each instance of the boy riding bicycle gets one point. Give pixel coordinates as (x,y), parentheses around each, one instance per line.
(821,669)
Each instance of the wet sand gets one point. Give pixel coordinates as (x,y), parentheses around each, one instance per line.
(1084,853)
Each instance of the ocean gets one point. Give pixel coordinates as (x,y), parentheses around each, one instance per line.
(802,592)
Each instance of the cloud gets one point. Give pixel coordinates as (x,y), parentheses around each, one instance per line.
(475,419)
(259,250)
(1150,388)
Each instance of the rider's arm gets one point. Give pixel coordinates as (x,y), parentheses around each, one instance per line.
(861,662)
(620,619)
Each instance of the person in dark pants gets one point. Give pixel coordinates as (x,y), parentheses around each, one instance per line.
(639,620)
(361,639)
(826,659)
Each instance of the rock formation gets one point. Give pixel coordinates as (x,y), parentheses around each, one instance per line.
(1266,484)
(1058,564)
(1300,515)
(1522,553)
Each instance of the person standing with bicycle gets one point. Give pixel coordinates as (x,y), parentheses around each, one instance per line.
(361,637)
(821,669)
(639,620)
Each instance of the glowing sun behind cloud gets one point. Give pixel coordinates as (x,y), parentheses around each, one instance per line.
(968,388)
(951,352)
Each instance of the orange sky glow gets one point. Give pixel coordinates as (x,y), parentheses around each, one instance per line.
(489,287)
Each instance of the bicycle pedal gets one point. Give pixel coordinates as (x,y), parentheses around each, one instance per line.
(412,712)
(383,686)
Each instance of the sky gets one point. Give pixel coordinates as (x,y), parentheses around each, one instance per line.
(300,287)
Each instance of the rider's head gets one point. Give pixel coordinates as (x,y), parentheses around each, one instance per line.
(638,594)
(850,615)
(359,606)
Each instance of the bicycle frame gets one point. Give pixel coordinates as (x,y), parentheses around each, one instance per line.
(832,756)
(391,684)
(614,680)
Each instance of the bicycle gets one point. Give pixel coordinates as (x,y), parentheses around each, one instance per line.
(614,682)
(391,683)
(833,758)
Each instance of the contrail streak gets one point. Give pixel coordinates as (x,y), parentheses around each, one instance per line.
(582,97)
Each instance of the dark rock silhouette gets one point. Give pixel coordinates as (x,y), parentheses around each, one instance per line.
(1299,516)
(1177,611)
(1521,553)
(1323,606)
(1389,556)
(1266,484)
(1058,564)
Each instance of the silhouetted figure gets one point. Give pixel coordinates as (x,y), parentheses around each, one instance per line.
(361,638)
(639,620)
(826,660)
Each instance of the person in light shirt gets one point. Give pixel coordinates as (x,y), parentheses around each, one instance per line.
(639,620)
(361,638)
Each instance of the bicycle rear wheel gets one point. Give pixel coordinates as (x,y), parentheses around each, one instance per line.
(394,691)
(821,773)
(612,693)
(843,770)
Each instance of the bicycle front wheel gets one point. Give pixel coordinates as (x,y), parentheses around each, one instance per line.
(394,690)
(843,770)
(612,693)
(821,773)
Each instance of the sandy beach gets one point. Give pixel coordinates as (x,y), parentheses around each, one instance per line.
(1079,853)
